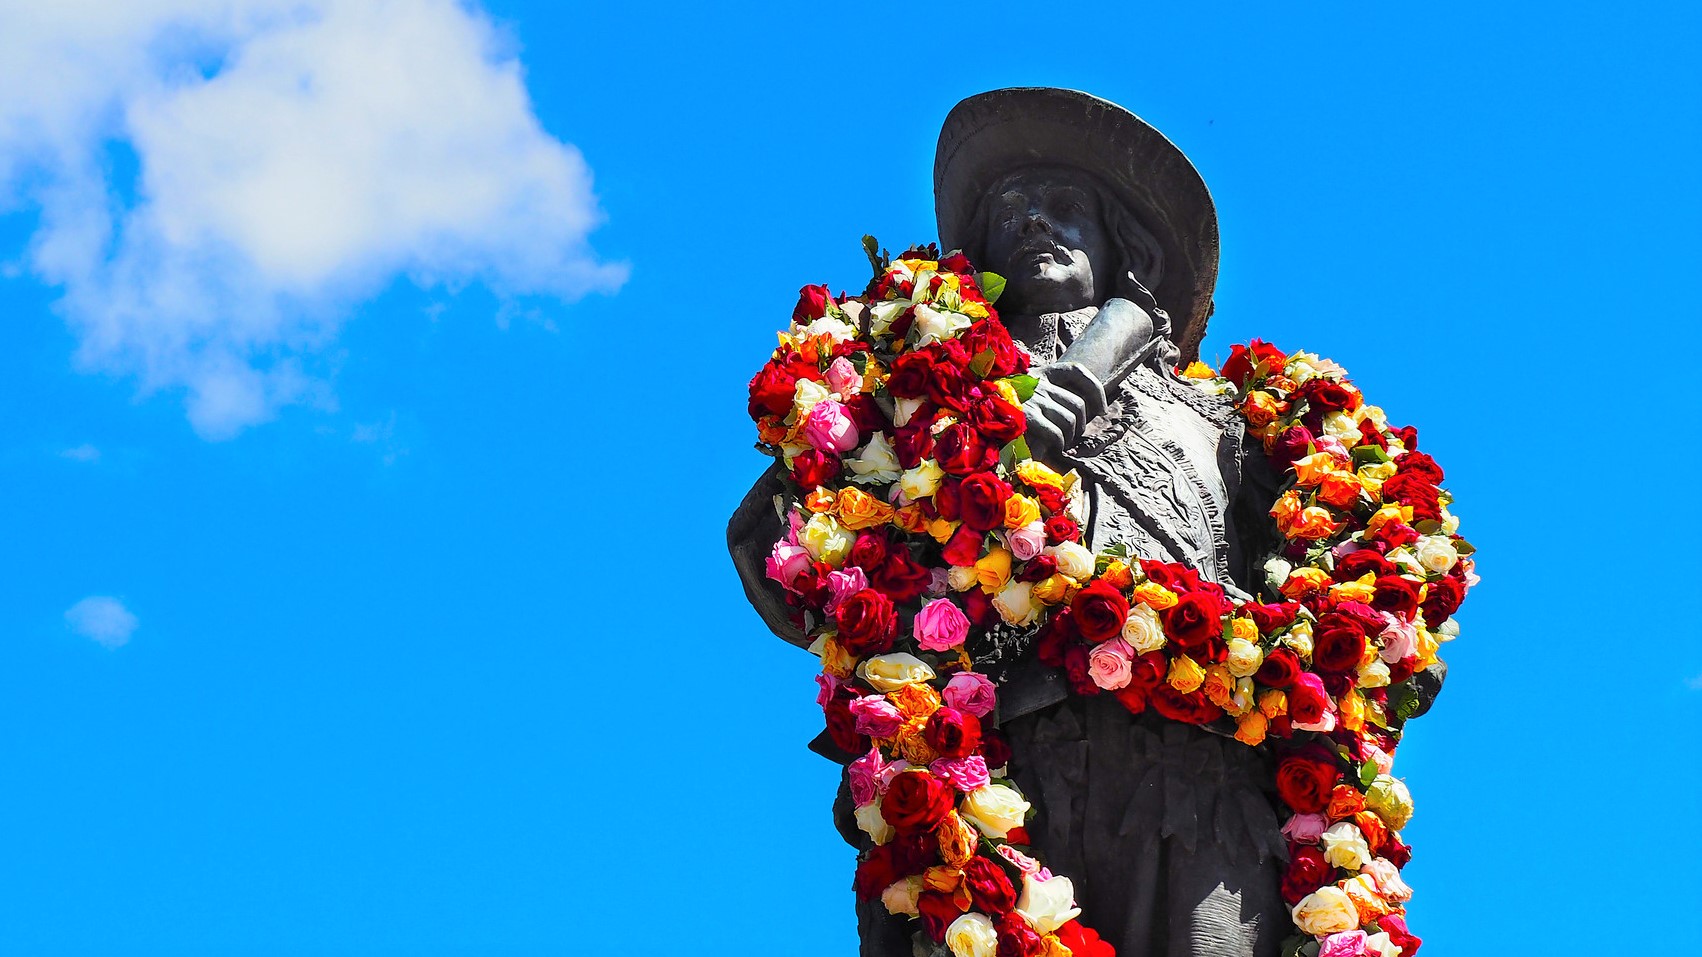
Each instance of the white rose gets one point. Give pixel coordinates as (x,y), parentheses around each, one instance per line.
(827,325)
(1015,603)
(1436,553)
(932,325)
(826,540)
(901,896)
(1374,675)
(883,314)
(1047,905)
(886,673)
(1299,637)
(1142,629)
(962,578)
(877,464)
(1344,846)
(1450,522)
(994,808)
(1277,571)
(869,820)
(921,481)
(972,935)
(805,394)
(1326,911)
(1374,413)
(1245,657)
(1073,559)
(1379,945)
(903,409)
(1340,426)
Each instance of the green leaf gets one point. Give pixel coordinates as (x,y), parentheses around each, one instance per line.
(1367,774)
(991,283)
(1366,454)
(1464,547)
(1428,526)
(982,363)
(1024,386)
(871,248)
(1013,453)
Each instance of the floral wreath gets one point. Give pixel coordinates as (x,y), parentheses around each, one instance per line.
(915,517)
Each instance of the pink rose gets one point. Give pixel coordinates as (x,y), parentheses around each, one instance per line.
(1332,445)
(1108,664)
(785,561)
(1027,865)
(829,428)
(970,692)
(1400,638)
(876,716)
(842,584)
(1305,828)
(965,774)
(864,776)
(941,625)
(1027,541)
(1388,879)
(826,685)
(842,378)
(1348,943)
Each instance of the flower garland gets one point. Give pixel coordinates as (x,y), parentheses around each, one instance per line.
(914,515)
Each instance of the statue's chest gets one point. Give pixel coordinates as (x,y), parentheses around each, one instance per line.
(1156,481)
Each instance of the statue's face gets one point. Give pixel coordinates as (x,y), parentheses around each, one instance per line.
(1046,236)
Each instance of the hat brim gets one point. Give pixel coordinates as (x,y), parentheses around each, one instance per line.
(992,134)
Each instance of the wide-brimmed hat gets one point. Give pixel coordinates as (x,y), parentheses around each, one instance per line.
(992,134)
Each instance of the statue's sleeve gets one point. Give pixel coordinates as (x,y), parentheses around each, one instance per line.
(751,533)
(1253,488)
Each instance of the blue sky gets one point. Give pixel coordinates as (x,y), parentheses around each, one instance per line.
(365,453)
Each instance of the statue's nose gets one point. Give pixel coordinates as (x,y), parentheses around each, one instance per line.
(1036,222)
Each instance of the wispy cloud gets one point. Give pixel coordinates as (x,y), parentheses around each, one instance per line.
(103,619)
(1694,684)
(82,453)
(220,182)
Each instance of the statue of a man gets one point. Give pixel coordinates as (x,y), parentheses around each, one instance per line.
(1107,238)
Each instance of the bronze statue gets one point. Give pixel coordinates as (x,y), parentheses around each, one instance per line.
(1108,240)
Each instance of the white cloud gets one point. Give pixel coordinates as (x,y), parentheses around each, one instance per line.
(1695,684)
(290,159)
(82,453)
(103,619)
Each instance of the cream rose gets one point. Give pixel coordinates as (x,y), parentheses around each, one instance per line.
(888,673)
(1142,629)
(961,577)
(921,481)
(1047,905)
(806,393)
(995,809)
(870,822)
(1073,560)
(1389,799)
(1325,911)
(1344,846)
(1015,603)
(972,935)
(901,896)
(1436,553)
(933,325)
(877,464)
(826,540)
(1245,657)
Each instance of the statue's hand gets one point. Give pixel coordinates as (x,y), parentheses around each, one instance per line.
(1058,411)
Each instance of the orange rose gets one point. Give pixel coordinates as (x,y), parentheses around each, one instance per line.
(1375,831)
(1021,510)
(1305,582)
(915,700)
(1313,468)
(1362,891)
(1345,801)
(942,877)
(1250,728)
(858,509)
(1340,489)
(1118,576)
(821,500)
(911,518)
(1260,408)
(958,839)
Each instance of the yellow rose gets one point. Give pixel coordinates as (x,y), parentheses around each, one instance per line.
(1251,727)
(958,839)
(826,540)
(1021,510)
(1389,799)
(921,481)
(1038,475)
(1312,469)
(1185,674)
(1360,589)
(1142,629)
(941,530)
(1352,710)
(1244,629)
(1220,686)
(1326,911)
(1051,590)
(994,809)
(993,570)
(1273,703)
(1382,517)
(1155,596)
(1198,370)
(888,673)
(869,820)
(1118,575)
(858,509)
(1245,656)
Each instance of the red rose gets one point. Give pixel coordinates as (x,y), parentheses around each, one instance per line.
(989,888)
(1304,781)
(1420,465)
(1058,633)
(964,548)
(866,414)
(909,376)
(1076,670)
(937,911)
(868,552)
(1307,700)
(1279,669)
(952,733)
(982,501)
(948,499)
(1062,528)
(900,578)
(961,451)
(1408,436)
(1339,643)
(1099,610)
(842,728)
(771,390)
(1269,618)
(914,441)
(949,383)
(1190,708)
(1396,927)
(997,420)
(1295,442)
(867,623)
(1307,871)
(1396,595)
(812,467)
(979,608)
(1410,488)
(1148,670)
(1194,623)
(1369,434)
(1324,394)
(812,304)
(996,750)
(1355,565)
(958,263)
(1133,697)
(1397,853)
(1441,600)
(989,335)
(916,801)
(1038,569)
(1084,941)
(1238,368)
(1052,498)
(1016,938)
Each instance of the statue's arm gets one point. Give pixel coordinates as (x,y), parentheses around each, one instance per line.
(751,533)
(1077,388)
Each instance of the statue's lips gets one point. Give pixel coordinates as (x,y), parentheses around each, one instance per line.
(1055,254)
